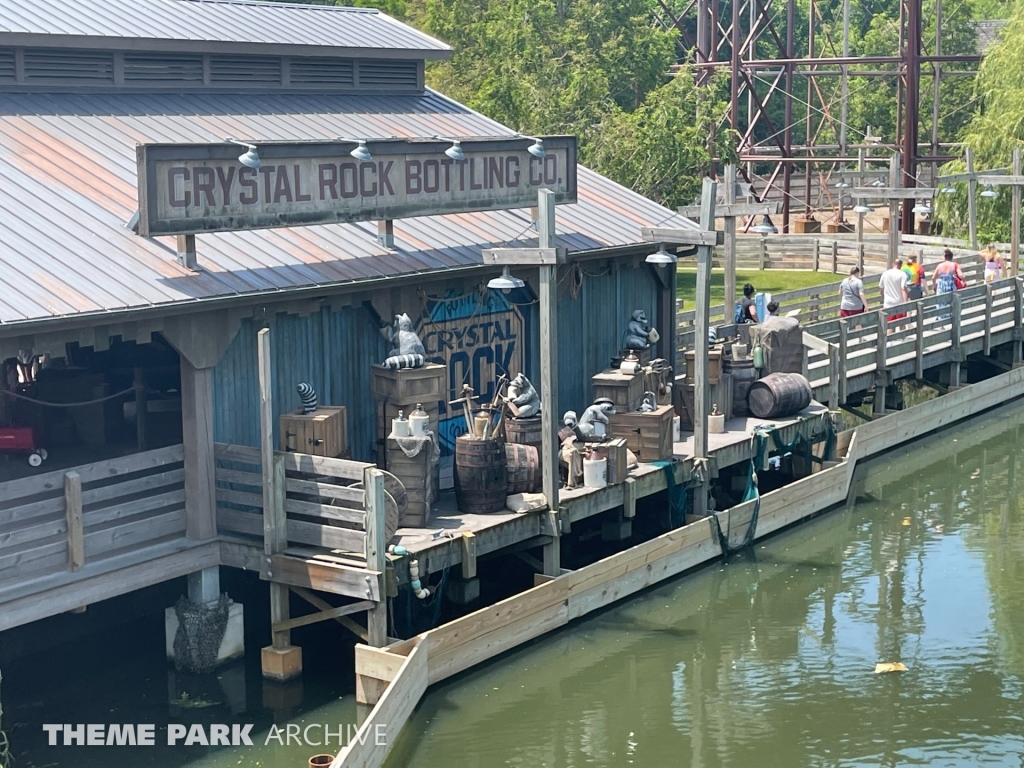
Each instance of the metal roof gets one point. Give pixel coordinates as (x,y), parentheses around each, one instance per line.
(207,25)
(68,186)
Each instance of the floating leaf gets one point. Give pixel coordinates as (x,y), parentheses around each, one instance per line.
(889,666)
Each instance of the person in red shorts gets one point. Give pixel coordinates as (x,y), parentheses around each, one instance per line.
(852,300)
(893,287)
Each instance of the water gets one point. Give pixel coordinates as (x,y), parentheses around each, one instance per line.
(767,660)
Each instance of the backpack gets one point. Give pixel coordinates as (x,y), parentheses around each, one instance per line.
(737,316)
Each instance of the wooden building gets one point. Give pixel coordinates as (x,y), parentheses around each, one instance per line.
(154,339)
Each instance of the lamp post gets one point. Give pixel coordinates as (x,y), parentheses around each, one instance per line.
(1015,181)
(546,257)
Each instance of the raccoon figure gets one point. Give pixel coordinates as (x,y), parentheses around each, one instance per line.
(522,394)
(638,331)
(409,351)
(598,413)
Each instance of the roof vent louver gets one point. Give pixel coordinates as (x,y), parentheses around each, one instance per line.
(140,68)
(7,74)
(388,73)
(245,70)
(64,67)
(316,72)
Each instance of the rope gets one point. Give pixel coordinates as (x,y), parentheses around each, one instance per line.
(72,405)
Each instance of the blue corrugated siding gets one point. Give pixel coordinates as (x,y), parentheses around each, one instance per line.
(332,351)
(592,326)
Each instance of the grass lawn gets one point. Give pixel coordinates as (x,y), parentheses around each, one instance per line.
(770,280)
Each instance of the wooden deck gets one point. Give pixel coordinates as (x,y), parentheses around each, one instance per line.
(442,544)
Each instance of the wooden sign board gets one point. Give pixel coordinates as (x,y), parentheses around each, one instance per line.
(197,188)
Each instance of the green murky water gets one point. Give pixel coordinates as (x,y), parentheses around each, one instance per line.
(767,660)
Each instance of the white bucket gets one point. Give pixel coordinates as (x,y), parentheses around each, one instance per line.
(400,427)
(595,473)
(716,424)
(739,351)
(419,424)
(677,429)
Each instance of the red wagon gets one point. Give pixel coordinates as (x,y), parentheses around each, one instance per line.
(23,440)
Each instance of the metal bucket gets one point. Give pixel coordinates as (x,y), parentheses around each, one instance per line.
(481,477)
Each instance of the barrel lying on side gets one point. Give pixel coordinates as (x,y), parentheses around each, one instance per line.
(480,474)
(779,394)
(522,464)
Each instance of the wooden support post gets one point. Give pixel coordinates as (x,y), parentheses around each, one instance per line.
(729,198)
(895,182)
(860,257)
(987,343)
(844,332)
(186,252)
(73,507)
(280,660)
(834,374)
(375,548)
(815,259)
(972,200)
(197,446)
(919,344)
(1018,323)
(881,375)
(956,316)
(762,254)
(468,543)
(629,498)
(835,257)
(702,320)
(549,377)
(139,382)
(1015,216)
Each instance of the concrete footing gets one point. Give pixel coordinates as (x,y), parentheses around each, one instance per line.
(231,647)
(281,663)
(463,591)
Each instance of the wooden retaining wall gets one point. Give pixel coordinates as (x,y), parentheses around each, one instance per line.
(397,675)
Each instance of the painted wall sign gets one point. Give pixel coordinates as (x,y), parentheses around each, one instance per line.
(479,342)
(196,188)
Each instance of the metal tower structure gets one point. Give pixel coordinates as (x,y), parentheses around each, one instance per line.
(738,38)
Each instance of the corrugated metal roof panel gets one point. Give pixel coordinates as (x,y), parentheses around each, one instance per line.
(68,185)
(240,22)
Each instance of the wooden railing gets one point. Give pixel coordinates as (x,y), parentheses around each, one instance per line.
(323,508)
(67,518)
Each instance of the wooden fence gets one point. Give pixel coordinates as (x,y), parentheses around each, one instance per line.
(63,519)
(324,500)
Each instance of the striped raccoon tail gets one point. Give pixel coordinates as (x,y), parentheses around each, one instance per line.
(404,361)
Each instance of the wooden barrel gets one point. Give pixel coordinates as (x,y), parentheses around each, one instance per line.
(480,474)
(522,463)
(743,375)
(779,394)
(524,431)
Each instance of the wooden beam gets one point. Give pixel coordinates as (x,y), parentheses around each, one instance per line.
(524,256)
(703,236)
(702,393)
(549,378)
(972,199)
(732,210)
(1002,181)
(376,545)
(321,575)
(629,498)
(323,605)
(898,193)
(468,543)
(76,535)
(323,615)
(1015,216)
(729,236)
(970,175)
(197,445)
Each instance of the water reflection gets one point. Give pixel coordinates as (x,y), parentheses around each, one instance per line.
(769,660)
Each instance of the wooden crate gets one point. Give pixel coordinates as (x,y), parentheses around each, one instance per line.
(721,395)
(648,435)
(321,433)
(714,364)
(625,390)
(420,476)
(618,463)
(408,386)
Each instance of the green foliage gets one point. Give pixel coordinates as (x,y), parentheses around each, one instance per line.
(997,127)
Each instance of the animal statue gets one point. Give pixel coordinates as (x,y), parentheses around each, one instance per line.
(408,351)
(568,428)
(650,403)
(638,332)
(597,413)
(571,462)
(524,397)
(308,397)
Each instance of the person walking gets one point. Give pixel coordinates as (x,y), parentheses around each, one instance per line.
(993,261)
(947,278)
(852,300)
(892,285)
(915,277)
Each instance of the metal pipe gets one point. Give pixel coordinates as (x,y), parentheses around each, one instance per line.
(911,122)
(787,137)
